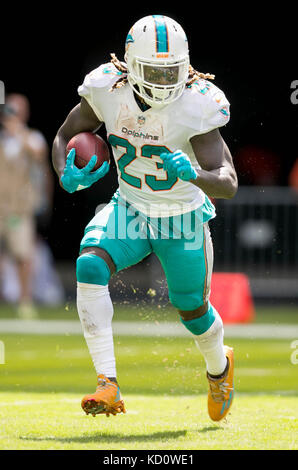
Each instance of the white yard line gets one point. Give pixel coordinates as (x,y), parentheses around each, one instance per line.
(162,329)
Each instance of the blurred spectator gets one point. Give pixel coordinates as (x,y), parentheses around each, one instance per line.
(47,288)
(257,165)
(23,156)
(293,176)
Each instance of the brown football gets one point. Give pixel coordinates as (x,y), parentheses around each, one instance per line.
(86,145)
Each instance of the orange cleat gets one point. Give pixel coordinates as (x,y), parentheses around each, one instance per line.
(221,390)
(106,399)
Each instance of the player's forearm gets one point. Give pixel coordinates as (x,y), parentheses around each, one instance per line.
(59,153)
(220,183)
(80,119)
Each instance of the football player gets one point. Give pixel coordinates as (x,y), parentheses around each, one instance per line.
(162,119)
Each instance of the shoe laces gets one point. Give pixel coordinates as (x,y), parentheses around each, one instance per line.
(219,390)
(103,383)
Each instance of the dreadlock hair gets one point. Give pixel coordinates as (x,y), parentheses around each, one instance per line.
(122,68)
(193,74)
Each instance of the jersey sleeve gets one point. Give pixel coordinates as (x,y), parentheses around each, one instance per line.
(217,112)
(211,109)
(96,85)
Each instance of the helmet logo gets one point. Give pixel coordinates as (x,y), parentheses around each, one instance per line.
(129,40)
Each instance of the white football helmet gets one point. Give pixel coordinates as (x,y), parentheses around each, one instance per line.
(157,59)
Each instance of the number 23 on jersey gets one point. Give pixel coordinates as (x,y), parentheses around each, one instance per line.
(147,151)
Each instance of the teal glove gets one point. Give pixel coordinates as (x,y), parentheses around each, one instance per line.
(178,165)
(75,179)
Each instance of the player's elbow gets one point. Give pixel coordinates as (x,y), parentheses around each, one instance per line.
(231,186)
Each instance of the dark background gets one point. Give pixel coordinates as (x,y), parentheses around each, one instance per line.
(45,54)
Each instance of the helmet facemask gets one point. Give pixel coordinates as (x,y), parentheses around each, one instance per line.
(158,83)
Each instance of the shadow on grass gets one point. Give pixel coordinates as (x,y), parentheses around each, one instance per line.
(209,428)
(118,438)
(110,437)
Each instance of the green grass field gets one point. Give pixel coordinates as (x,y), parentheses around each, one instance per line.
(164,387)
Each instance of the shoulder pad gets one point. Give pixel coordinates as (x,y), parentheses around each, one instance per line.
(213,96)
(207,106)
(101,77)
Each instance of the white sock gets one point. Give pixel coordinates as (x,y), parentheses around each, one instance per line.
(95,310)
(211,346)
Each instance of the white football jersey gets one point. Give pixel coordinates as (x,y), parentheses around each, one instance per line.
(139,137)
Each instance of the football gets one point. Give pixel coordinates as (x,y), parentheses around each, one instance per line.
(86,145)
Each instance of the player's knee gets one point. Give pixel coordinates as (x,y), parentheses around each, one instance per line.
(182,301)
(201,324)
(91,269)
